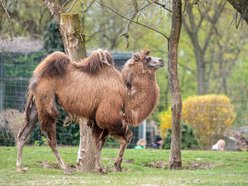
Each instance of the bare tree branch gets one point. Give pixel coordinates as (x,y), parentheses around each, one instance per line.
(145,6)
(54,8)
(138,23)
(88,7)
(213,21)
(10,22)
(6,11)
(65,3)
(72,5)
(135,12)
(160,4)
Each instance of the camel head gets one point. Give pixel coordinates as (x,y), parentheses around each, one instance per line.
(141,63)
(148,62)
(140,67)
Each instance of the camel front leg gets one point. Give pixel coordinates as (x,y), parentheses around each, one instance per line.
(124,141)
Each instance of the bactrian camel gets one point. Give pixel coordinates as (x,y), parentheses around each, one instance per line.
(91,89)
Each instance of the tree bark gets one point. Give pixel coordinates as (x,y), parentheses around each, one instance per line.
(86,154)
(74,41)
(175,152)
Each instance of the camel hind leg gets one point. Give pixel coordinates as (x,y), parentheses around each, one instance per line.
(48,125)
(31,119)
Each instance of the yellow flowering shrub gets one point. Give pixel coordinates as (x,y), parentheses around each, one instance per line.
(209,115)
(165,122)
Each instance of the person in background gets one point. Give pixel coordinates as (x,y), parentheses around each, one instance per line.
(140,144)
(158,142)
(220,145)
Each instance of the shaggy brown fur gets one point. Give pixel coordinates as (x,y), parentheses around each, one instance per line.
(143,91)
(95,90)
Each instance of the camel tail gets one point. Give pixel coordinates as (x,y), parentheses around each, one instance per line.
(53,65)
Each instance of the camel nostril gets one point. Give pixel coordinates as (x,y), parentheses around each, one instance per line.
(161,60)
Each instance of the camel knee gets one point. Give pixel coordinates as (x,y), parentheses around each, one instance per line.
(25,131)
(129,136)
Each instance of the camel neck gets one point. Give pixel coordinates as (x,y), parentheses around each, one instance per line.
(142,99)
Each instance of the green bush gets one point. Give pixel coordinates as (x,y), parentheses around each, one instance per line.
(189,140)
(52,38)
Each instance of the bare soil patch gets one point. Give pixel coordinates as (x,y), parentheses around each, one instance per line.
(161,164)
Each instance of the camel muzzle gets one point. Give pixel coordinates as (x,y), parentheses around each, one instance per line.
(156,62)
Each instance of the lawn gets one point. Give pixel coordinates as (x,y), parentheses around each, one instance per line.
(140,167)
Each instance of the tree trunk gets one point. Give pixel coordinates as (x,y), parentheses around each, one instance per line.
(75,47)
(74,41)
(86,154)
(175,152)
(201,72)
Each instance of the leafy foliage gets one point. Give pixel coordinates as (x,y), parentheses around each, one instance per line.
(209,115)
(27,18)
(20,65)
(52,38)
(189,140)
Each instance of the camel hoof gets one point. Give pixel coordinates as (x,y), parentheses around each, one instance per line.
(101,170)
(118,168)
(68,172)
(21,169)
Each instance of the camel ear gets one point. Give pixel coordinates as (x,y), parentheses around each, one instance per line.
(136,57)
(147,52)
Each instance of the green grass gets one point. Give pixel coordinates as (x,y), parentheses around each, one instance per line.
(199,168)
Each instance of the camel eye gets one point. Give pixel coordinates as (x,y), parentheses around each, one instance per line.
(148,58)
